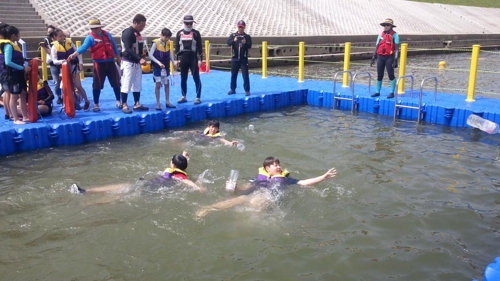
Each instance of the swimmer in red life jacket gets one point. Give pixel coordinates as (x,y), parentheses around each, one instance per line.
(176,171)
(271,175)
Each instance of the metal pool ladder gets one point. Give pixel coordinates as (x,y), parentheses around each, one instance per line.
(419,107)
(338,98)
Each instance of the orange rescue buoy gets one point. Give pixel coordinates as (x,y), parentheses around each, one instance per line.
(33,92)
(68,94)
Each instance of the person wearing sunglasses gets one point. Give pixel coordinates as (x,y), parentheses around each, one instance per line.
(386,53)
(188,49)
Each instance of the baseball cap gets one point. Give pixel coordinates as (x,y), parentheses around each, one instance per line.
(241,23)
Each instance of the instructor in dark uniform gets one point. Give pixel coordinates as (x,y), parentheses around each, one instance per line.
(187,50)
(240,43)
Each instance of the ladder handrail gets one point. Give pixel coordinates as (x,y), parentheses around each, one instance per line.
(369,81)
(396,94)
(335,79)
(435,86)
(350,84)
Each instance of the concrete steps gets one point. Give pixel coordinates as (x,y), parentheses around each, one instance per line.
(21,14)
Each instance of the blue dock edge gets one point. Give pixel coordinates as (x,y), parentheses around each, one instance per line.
(267,94)
(492,271)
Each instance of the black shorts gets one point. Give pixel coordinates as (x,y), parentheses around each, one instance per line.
(4,86)
(103,70)
(48,112)
(17,83)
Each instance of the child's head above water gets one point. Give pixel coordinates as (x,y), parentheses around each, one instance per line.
(179,161)
(213,127)
(272,166)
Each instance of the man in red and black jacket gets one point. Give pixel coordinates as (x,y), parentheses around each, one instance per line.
(240,43)
(188,48)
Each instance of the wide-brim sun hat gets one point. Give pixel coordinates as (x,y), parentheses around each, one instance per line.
(188,18)
(95,23)
(388,21)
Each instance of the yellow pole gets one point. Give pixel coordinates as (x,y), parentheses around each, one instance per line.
(301,61)
(171,47)
(473,72)
(82,74)
(45,75)
(347,64)
(264,59)
(207,55)
(402,67)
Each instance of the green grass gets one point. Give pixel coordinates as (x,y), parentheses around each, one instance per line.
(474,3)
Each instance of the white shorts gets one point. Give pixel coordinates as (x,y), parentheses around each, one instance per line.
(131,77)
(163,79)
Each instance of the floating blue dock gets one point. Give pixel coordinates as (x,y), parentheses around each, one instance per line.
(267,94)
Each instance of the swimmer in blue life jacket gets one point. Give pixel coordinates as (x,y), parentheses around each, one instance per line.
(271,175)
(176,171)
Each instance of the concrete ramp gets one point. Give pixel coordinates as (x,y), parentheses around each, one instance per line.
(276,17)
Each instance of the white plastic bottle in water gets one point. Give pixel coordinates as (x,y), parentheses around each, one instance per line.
(231,183)
(483,124)
(250,127)
(240,146)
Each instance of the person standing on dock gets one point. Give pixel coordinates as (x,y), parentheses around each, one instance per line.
(240,43)
(133,58)
(187,49)
(103,51)
(386,53)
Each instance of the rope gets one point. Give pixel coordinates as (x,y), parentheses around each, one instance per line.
(327,46)
(453,69)
(442,49)
(491,52)
(220,56)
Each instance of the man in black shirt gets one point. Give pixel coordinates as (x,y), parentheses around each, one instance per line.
(187,47)
(132,59)
(240,42)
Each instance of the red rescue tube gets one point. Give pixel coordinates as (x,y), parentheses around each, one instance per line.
(68,94)
(33,92)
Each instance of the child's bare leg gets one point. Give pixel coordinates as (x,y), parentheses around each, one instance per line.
(78,85)
(6,103)
(13,109)
(108,188)
(24,106)
(167,93)
(260,201)
(157,93)
(223,205)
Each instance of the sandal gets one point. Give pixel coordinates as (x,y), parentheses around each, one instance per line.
(158,108)
(197,101)
(169,105)
(96,108)
(119,105)
(126,110)
(141,107)
(182,100)
(86,106)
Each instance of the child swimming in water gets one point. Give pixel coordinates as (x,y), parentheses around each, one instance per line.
(176,171)
(271,175)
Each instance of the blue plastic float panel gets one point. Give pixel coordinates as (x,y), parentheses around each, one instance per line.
(272,93)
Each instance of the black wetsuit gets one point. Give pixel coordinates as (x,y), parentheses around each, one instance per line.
(188,50)
(239,59)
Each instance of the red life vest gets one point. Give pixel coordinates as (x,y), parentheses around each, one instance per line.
(386,46)
(103,48)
